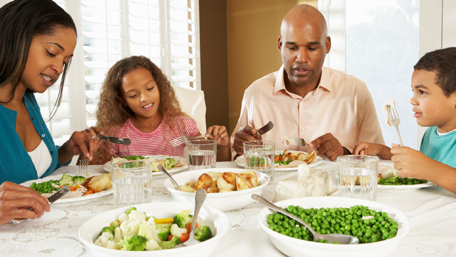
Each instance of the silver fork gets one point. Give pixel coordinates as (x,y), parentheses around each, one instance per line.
(83,166)
(294,141)
(393,118)
(183,139)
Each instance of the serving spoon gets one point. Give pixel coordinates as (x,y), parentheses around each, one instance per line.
(200,197)
(162,169)
(340,238)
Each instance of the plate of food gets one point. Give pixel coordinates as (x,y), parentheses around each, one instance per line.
(82,188)
(170,163)
(389,180)
(289,160)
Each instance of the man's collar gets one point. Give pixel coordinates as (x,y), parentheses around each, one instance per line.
(280,82)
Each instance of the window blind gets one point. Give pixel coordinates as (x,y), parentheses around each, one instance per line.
(166,31)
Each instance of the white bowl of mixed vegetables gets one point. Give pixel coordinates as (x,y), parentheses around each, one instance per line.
(153,230)
(361,218)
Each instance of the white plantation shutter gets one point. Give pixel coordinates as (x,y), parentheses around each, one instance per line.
(166,31)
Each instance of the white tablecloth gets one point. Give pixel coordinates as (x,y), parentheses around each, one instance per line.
(431,212)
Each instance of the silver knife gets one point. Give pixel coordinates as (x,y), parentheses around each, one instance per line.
(62,191)
(54,197)
(116,140)
(265,128)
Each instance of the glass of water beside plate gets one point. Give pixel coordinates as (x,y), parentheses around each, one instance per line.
(132,182)
(201,154)
(357,176)
(259,156)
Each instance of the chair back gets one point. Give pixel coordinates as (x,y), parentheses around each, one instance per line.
(193,104)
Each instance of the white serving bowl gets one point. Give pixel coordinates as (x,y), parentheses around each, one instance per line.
(297,247)
(215,219)
(222,201)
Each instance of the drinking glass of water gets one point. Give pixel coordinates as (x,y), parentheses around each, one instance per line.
(259,156)
(357,177)
(201,154)
(132,182)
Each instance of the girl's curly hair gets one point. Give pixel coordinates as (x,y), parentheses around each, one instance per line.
(112,113)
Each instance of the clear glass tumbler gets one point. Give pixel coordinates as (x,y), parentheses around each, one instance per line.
(132,182)
(201,154)
(357,177)
(259,156)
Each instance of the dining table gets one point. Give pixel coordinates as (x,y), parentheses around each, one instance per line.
(431,211)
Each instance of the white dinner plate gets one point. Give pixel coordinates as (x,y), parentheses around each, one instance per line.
(241,162)
(68,200)
(382,167)
(405,187)
(107,166)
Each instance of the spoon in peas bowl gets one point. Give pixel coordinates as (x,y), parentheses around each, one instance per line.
(332,238)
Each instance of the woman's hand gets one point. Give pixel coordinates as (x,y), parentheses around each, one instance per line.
(83,142)
(219,134)
(16,200)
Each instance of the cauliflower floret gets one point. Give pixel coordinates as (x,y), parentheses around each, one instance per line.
(137,215)
(177,231)
(106,240)
(152,245)
(149,231)
(130,227)
(118,234)
(123,217)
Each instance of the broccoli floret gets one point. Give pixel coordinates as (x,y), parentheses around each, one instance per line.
(163,231)
(170,163)
(66,180)
(77,180)
(130,209)
(170,244)
(107,229)
(134,243)
(203,234)
(183,218)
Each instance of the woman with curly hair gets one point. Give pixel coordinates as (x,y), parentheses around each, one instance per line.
(138,102)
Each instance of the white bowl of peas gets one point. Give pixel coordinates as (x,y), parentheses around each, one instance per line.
(379,227)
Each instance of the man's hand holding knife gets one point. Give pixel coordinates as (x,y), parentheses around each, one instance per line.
(248,133)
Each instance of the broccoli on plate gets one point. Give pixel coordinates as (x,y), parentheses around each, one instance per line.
(170,244)
(183,218)
(134,243)
(203,234)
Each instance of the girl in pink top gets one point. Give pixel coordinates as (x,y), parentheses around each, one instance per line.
(138,102)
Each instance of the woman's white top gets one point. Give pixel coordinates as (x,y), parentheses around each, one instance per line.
(41,158)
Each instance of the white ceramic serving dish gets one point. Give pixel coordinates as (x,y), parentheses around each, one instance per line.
(296,247)
(215,219)
(222,201)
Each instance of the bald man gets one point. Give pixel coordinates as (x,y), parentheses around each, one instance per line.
(330,110)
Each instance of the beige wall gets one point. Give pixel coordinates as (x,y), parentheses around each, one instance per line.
(214,64)
(252,33)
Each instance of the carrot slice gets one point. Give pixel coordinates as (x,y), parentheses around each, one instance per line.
(189,226)
(90,192)
(170,237)
(184,237)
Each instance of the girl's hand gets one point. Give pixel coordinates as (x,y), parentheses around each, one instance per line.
(372,149)
(219,134)
(84,142)
(16,200)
